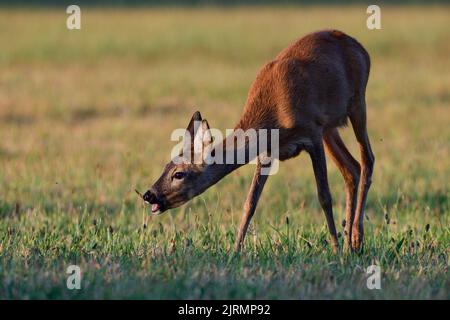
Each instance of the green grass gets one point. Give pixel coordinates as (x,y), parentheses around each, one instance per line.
(86,117)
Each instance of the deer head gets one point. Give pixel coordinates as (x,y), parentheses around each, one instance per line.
(188,174)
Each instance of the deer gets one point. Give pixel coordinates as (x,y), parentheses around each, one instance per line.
(307,92)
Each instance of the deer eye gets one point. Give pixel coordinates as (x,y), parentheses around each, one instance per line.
(179,175)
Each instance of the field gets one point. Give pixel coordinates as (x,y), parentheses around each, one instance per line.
(86,117)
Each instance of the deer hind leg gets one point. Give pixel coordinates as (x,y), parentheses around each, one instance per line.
(358,120)
(350,169)
(317,154)
(254,193)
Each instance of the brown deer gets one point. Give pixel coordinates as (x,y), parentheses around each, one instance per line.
(307,92)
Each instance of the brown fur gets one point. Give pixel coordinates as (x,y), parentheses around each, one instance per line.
(309,90)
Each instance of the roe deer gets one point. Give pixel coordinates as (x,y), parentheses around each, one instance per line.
(307,92)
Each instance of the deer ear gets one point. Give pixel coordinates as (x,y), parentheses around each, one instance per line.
(190,133)
(207,137)
(194,123)
(203,138)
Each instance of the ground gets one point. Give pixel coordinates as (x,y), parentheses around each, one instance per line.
(86,117)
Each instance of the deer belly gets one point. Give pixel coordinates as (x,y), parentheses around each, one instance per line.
(293,148)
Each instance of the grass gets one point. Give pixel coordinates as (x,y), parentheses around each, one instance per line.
(86,116)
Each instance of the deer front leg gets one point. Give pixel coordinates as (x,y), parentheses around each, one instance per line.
(250,204)
(317,155)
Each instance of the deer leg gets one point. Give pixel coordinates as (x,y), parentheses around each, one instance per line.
(317,155)
(250,204)
(350,170)
(358,120)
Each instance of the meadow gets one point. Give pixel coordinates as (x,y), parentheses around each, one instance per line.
(86,117)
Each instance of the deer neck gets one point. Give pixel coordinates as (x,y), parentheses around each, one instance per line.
(232,153)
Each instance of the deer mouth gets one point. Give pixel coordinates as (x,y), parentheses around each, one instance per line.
(156,208)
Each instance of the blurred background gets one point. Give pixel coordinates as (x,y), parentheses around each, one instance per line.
(86,116)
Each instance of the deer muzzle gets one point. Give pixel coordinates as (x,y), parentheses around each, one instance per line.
(156,203)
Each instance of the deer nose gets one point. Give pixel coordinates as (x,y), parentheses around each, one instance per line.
(149,197)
